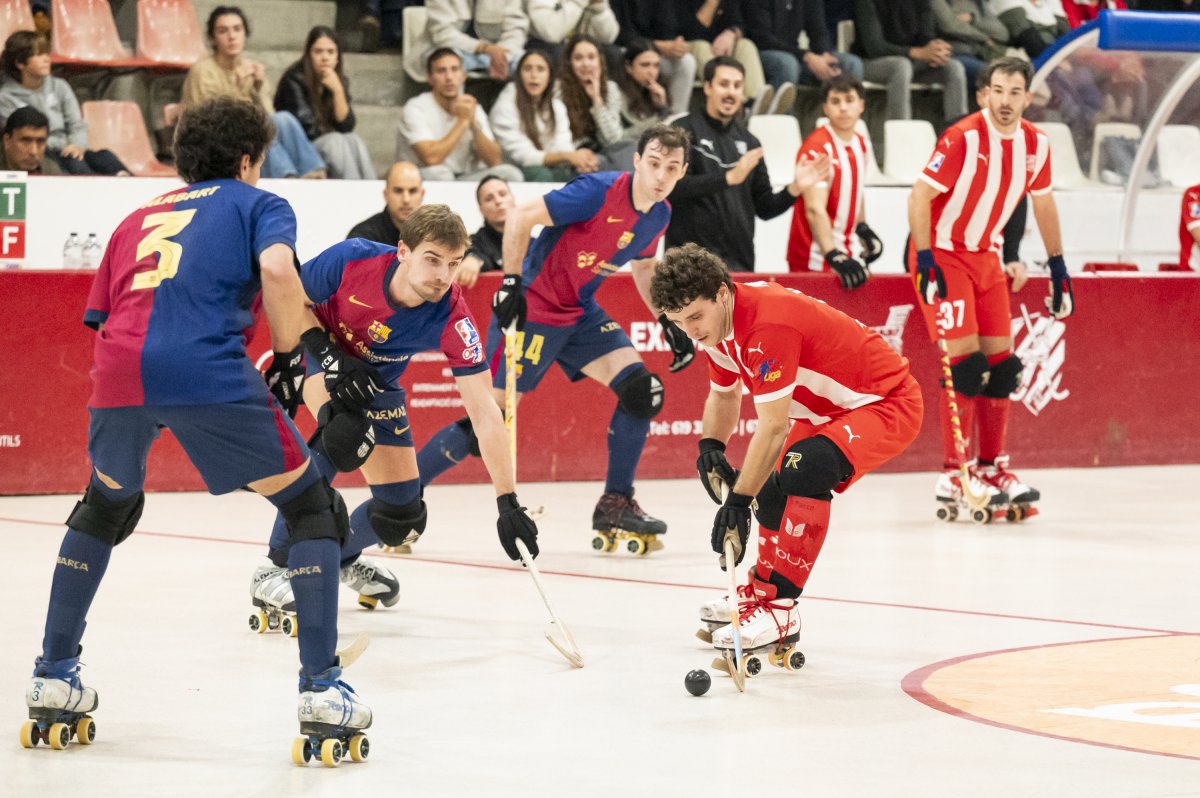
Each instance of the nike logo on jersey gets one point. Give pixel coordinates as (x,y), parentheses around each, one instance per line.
(354,301)
(614,220)
(400,431)
(850,434)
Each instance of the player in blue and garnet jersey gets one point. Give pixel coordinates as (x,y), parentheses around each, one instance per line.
(170,302)
(594,225)
(376,307)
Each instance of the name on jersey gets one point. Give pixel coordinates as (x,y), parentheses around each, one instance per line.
(769,370)
(388,414)
(379,331)
(939,158)
(182,196)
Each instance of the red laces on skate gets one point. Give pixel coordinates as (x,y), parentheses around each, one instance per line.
(757,605)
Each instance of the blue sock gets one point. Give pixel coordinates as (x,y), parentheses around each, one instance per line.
(626,439)
(277,549)
(449,447)
(82,561)
(362,534)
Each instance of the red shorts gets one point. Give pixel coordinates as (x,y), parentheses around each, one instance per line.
(870,435)
(976,300)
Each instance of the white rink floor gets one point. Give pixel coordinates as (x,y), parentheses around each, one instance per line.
(470,700)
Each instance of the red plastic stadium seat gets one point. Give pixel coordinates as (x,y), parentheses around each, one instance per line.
(118,126)
(14,16)
(169,33)
(84,30)
(1173,266)
(1110,267)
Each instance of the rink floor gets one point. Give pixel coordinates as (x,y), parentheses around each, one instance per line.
(1059,657)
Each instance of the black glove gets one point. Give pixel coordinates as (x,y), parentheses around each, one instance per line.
(849,271)
(931,283)
(508,304)
(1061,302)
(734,516)
(352,384)
(682,348)
(714,469)
(515,523)
(872,246)
(284,377)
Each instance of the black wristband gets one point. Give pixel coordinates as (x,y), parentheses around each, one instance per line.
(738,500)
(710,445)
(315,339)
(507,503)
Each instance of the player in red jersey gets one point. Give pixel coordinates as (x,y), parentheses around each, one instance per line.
(1189,230)
(829,222)
(978,172)
(834,402)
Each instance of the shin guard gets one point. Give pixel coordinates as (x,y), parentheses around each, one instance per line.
(805,522)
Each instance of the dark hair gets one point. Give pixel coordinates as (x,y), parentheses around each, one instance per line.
(1007,66)
(437,223)
(530,110)
(687,273)
(487,179)
(639,104)
(710,68)
(668,137)
(438,55)
(221,11)
(25,116)
(212,137)
(19,48)
(579,105)
(842,83)
(320,98)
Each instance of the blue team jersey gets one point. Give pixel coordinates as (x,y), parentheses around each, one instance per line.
(175,292)
(348,284)
(596,231)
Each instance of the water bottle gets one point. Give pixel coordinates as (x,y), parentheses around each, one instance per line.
(73,252)
(92,252)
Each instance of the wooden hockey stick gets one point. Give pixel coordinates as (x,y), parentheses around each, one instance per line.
(735,622)
(975,501)
(567,647)
(346,656)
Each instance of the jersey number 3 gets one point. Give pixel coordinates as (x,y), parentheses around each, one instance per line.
(161,227)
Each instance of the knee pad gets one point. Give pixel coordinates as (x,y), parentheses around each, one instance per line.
(305,514)
(346,439)
(770,503)
(396,525)
(1004,378)
(969,374)
(813,467)
(465,424)
(106,519)
(640,394)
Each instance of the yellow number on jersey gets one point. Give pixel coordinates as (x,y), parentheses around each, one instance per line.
(534,353)
(164,225)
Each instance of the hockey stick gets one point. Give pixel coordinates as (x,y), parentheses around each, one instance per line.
(735,623)
(346,656)
(976,502)
(570,650)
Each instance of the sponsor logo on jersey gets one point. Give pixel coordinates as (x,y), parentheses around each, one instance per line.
(1194,209)
(769,371)
(355,301)
(754,349)
(609,326)
(795,530)
(936,163)
(615,220)
(387,414)
(397,431)
(584,260)
(850,435)
(474,354)
(379,331)
(467,332)
(1030,163)
(983,157)
(624,240)
(793,460)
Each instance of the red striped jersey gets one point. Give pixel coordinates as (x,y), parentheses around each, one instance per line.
(785,342)
(849,164)
(980,175)
(1189,223)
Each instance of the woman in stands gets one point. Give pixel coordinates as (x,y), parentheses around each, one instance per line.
(644,100)
(317,92)
(532,126)
(594,104)
(27,81)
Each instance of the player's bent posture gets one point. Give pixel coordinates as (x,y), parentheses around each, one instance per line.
(1189,230)
(594,225)
(382,305)
(829,222)
(834,402)
(170,301)
(978,172)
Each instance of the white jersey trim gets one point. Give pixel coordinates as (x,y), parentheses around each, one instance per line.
(799,411)
(771,397)
(1193,225)
(716,386)
(827,387)
(927,179)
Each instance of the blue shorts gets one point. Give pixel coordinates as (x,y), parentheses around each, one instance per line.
(230,444)
(592,336)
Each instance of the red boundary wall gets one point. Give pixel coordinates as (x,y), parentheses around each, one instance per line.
(1117,384)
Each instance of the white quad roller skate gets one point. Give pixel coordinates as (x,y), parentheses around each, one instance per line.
(332,721)
(58,706)
(275,606)
(770,626)
(1020,496)
(372,582)
(715,613)
(950,497)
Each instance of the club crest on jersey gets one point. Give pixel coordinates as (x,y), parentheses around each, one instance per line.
(1194,209)
(769,371)
(1030,163)
(624,240)
(379,331)
(936,163)
(467,332)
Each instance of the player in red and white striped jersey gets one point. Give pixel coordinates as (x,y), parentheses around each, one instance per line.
(978,172)
(1189,230)
(829,227)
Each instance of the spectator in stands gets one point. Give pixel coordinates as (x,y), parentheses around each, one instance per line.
(775,27)
(1081,11)
(726,184)
(532,127)
(489,35)
(316,91)
(486,252)
(896,37)
(446,131)
(382,22)
(28,82)
(976,35)
(1033,25)
(403,193)
(641,20)
(226,73)
(552,21)
(594,104)
(716,27)
(644,100)
(25,134)
(1189,229)
(836,12)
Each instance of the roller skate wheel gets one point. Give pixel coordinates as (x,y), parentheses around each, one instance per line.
(367,602)
(599,543)
(636,546)
(29,734)
(360,747)
(704,634)
(289,626)
(947,512)
(331,752)
(258,622)
(983,516)
(60,735)
(85,730)
(793,660)
(751,665)
(301,750)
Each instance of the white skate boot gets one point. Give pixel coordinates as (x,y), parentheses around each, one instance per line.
(950,497)
(271,594)
(1020,496)
(714,613)
(58,706)
(372,582)
(769,625)
(332,720)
